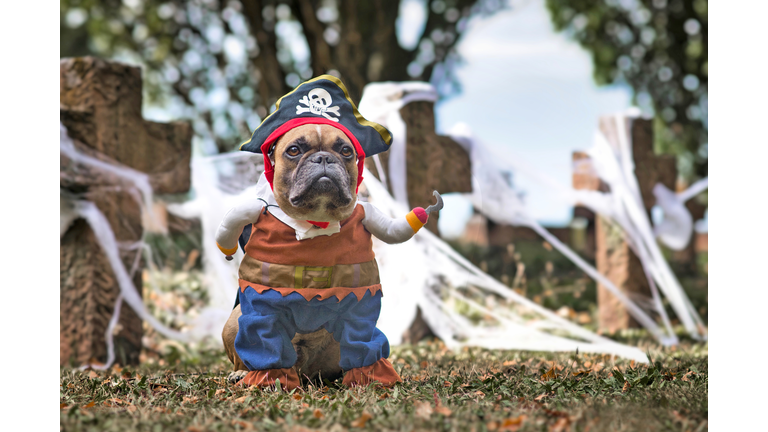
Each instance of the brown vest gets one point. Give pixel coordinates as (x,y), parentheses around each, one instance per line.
(324,266)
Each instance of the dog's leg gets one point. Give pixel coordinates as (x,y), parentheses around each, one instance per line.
(318,352)
(228,337)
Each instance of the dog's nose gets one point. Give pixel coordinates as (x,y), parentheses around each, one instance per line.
(322,157)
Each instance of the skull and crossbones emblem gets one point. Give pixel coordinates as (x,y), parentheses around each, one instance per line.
(318,102)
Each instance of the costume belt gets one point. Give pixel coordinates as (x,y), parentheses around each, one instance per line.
(313,277)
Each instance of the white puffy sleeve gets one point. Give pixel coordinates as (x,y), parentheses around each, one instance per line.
(234,221)
(395,230)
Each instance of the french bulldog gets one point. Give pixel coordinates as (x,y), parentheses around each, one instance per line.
(315,179)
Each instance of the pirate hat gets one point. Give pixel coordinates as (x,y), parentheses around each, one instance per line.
(321,100)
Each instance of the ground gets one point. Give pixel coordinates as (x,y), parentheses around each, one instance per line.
(472,389)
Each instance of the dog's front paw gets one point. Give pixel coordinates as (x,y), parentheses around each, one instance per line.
(236,376)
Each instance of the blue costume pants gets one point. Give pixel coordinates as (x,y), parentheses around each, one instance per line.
(269,321)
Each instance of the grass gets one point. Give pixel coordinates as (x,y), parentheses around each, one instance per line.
(473,389)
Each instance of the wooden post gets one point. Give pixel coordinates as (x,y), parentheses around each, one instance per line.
(101,109)
(614,258)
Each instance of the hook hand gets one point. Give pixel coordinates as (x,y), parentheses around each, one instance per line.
(437,206)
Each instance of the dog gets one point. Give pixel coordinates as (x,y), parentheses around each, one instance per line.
(315,179)
(310,292)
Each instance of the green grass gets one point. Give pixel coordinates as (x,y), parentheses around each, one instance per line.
(474,389)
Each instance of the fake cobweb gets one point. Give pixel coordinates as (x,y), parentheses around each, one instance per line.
(463,305)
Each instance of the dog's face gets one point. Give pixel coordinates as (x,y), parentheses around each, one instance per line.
(315,173)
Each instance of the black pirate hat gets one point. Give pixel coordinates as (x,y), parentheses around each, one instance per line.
(321,100)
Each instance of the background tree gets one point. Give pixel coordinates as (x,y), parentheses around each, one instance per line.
(659,48)
(225,63)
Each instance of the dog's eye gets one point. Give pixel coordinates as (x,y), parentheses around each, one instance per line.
(346,151)
(293,151)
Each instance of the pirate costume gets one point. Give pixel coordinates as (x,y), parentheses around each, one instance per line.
(300,276)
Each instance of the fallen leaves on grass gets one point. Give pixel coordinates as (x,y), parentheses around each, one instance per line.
(318,414)
(550,374)
(362,420)
(560,425)
(423,410)
(115,402)
(243,425)
(509,424)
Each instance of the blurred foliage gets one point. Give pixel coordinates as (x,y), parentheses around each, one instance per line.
(224,63)
(659,48)
(537,271)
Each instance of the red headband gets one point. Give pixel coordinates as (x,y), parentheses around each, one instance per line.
(269,170)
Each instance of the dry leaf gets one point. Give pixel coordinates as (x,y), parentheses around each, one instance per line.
(509,363)
(362,420)
(549,375)
(424,364)
(131,408)
(480,394)
(92,374)
(90,405)
(63,405)
(443,410)
(512,423)
(492,426)
(626,387)
(540,397)
(423,410)
(297,397)
(220,391)
(242,424)
(299,428)
(241,399)
(193,399)
(115,401)
(560,425)
(384,396)
(318,414)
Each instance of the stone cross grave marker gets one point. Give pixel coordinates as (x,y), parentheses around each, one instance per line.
(101,109)
(433,162)
(613,257)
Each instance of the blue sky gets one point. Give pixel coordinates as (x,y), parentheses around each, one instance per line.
(528,90)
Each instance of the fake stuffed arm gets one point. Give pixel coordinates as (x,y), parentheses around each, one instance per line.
(391,230)
(233,223)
